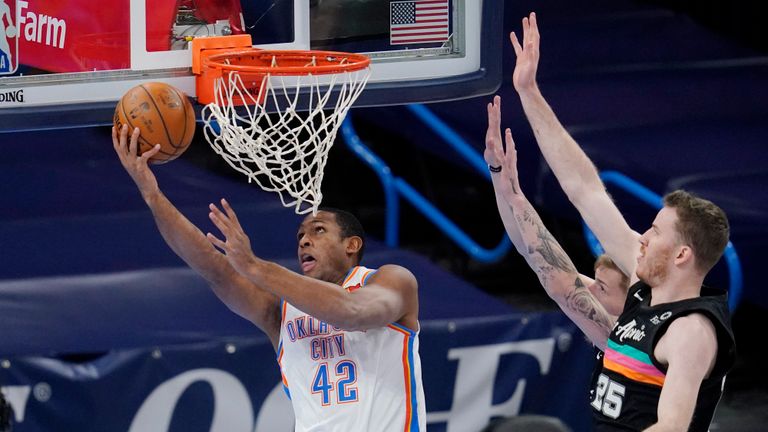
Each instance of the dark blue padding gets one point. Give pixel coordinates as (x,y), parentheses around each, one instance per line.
(72,209)
(173,305)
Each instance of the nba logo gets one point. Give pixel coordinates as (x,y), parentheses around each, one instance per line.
(9,42)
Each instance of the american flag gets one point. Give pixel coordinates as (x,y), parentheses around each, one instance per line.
(419,21)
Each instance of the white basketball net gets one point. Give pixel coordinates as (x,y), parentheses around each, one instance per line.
(284,151)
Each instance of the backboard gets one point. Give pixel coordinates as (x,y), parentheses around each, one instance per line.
(66,62)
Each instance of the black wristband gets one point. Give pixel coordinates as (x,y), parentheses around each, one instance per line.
(494,169)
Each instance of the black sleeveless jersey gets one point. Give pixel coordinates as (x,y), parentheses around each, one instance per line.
(627,382)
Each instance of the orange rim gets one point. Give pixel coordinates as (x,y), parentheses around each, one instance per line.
(288,62)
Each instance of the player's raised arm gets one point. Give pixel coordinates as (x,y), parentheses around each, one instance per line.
(493,148)
(556,271)
(575,172)
(390,295)
(189,243)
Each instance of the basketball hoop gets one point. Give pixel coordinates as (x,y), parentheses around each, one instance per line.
(273,115)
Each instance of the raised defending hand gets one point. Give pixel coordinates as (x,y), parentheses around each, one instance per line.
(493,134)
(524,77)
(133,163)
(236,245)
(510,185)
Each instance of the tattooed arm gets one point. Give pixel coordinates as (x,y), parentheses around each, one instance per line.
(546,257)
(494,158)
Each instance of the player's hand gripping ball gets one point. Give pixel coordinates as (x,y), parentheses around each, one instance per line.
(164,116)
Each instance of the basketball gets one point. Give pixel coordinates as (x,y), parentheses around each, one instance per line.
(164,116)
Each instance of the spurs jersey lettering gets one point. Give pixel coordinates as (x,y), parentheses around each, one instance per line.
(628,379)
(341,380)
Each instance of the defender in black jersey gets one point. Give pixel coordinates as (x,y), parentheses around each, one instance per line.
(667,353)
(628,380)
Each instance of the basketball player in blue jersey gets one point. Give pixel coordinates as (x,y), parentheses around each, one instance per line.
(346,336)
(668,352)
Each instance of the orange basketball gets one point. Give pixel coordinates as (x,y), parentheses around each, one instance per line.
(164,115)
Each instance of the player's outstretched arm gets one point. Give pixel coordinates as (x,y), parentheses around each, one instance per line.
(546,257)
(493,148)
(389,296)
(189,243)
(689,348)
(575,172)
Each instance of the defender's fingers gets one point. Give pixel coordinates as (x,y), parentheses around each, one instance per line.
(534,36)
(493,116)
(526,28)
(494,110)
(511,155)
(534,26)
(508,139)
(515,44)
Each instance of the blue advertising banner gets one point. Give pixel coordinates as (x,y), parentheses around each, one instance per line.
(474,369)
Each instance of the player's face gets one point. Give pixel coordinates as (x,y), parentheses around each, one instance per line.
(321,250)
(657,248)
(609,289)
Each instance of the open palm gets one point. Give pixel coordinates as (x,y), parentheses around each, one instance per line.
(527,64)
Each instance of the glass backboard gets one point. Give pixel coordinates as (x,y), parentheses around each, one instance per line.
(66,62)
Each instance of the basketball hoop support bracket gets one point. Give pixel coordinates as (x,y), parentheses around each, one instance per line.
(204,47)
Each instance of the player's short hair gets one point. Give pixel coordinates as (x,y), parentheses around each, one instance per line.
(349,227)
(606,261)
(702,225)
